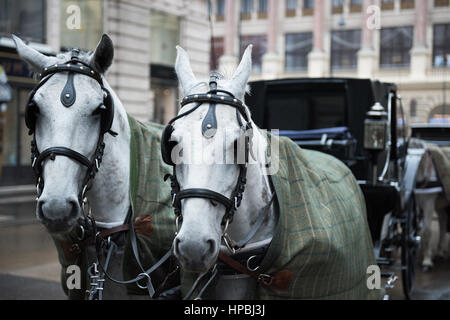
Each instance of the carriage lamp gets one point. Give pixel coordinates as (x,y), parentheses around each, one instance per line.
(375,128)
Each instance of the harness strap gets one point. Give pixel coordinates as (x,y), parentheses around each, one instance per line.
(213,273)
(263,214)
(149,286)
(205,194)
(97,278)
(279,280)
(62,151)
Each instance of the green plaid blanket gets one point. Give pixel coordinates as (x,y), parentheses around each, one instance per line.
(322,234)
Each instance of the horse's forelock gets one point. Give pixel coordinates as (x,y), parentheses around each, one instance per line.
(84,56)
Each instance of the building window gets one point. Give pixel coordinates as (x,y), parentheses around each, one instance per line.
(91,25)
(308,7)
(246,9)
(441,45)
(297,47)
(387,4)
(337,6)
(396,44)
(441,3)
(262,9)
(355,6)
(259,49)
(413,108)
(344,49)
(220,10)
(24,18)
(407,4)
(291,8)
(165,36)
(217,50)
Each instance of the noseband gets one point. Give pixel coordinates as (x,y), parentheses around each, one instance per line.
(209,126)
(68,96)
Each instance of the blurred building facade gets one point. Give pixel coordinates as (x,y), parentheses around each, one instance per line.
(144,32)
(402,41)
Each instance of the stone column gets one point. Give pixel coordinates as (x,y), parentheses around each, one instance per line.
(129,75)
(317,62)
(229,61)
(421,52)
(367,54)
(272,62)
(53,32)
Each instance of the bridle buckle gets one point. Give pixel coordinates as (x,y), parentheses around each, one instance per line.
(236,203)
(174,198)
(34,162)
(229,243)
(265,279)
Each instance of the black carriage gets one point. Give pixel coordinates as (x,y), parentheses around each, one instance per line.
(361,122)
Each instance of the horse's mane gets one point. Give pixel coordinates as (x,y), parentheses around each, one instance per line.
(84,56)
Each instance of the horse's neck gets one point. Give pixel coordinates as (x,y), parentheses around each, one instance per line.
(109,196)
(256,197)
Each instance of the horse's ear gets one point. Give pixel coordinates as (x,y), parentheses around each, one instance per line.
(35,59)
(103,55)
(242,74)
(184,71)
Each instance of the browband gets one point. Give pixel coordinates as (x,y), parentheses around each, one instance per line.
(73,65)
(212,97)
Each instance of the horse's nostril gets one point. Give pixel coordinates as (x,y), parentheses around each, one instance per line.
(40,212)
(177,246)
(212,246)
(74,208)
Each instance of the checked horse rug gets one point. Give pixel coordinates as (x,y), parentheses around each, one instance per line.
(322,235)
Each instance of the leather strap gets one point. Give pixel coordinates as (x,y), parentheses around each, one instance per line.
(216,99)
(75,66)
(279,280)
(62,151)
(205,194)
(68,94)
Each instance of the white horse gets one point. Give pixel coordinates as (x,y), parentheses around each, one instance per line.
(428,200)
(78,128)
(199,239)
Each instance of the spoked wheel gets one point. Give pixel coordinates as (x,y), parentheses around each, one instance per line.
(410,248)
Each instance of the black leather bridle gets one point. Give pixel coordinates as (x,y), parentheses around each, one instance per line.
(208,129)
(68,96)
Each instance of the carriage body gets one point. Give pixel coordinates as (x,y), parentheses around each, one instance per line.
(328,115)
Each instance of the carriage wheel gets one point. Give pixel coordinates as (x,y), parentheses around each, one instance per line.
(410,248)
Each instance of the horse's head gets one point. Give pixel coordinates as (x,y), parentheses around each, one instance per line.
(66,112)
(208,166)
